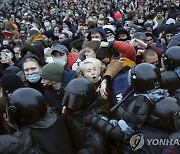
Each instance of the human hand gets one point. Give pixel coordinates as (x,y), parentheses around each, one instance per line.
(140,52)
(103,89)
(133,42)
(104,44)
(141,43)
(6,60)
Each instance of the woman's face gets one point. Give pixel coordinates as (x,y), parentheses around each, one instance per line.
(31,67)
(65,26)
(91,72)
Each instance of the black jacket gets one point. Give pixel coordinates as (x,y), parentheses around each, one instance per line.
(84,138)
(50,135)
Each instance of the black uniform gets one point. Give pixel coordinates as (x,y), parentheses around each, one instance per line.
(80,103)
(42,131)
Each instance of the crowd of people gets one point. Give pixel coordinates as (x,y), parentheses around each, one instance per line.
(85,76)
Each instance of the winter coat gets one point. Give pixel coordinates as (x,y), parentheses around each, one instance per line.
(54,97)
(49,135)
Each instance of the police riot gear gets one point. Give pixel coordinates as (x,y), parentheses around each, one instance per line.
(163,113)
(27,106)
(144,77)
(170,81)
(79,94)
(172,58)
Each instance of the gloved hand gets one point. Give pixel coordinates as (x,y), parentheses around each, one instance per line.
(9,144)
(127,130)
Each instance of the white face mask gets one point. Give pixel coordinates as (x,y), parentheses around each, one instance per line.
(110,39)
(49,60)
(3,55)
(61,61)
(96,39)
(89,57)
(140,21)
(10,55)
(47,24)
(65,28)
(101,16)
(177,4)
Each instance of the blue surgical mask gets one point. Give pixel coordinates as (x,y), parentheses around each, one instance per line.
(56,34)
(33,78)
(110,39)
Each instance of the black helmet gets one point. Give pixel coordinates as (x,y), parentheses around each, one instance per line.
(79,94)
(144,77)
(27,106)
(172,58)
(163,113)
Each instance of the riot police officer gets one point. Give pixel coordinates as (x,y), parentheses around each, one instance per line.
(45,132)
(170,79)
(80,101)
(148,110)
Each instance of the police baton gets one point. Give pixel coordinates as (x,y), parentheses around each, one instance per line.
(118,104)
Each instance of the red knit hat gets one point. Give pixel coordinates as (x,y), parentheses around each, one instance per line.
(117,15)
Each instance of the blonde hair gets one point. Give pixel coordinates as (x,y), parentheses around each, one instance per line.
(96,62)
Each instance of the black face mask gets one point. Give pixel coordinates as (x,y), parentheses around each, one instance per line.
(123,39)
(165,9)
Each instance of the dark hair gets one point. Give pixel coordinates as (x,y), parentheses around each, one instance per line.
(104,52)
(77,44)
(65,34)
(59,26)
(92,44)
(103,19)
(131,15)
